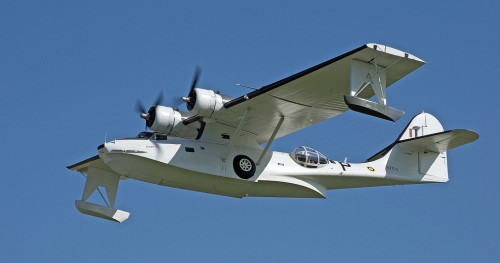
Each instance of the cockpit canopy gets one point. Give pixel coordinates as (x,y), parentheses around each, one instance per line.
(308,157)
(151,136)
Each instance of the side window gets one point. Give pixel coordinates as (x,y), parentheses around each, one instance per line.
(161,137)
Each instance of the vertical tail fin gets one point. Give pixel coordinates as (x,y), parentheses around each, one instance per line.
(421,125)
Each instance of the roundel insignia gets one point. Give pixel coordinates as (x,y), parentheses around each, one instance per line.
(370,168)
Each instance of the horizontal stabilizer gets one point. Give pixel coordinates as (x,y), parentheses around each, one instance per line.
(424,133)
(440,142)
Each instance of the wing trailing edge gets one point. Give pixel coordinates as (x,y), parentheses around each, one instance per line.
(318,93)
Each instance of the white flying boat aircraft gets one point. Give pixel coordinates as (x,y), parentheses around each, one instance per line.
(215,147)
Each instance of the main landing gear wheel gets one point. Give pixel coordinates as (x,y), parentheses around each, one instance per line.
(243,166)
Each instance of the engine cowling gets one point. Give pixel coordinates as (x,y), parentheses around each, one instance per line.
(205,102)
(168,121)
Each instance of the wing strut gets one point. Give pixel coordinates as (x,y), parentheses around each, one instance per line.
(371,74)
(273,135)
(236,134)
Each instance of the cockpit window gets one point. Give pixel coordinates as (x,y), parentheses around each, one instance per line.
(308,157)
(159,137)
(144,135)
(151,136)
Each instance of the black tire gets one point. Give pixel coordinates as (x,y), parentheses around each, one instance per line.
(243,166)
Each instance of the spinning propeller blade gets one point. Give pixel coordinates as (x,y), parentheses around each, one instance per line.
(194,82)
(190,100)
(139,107)
(159,99)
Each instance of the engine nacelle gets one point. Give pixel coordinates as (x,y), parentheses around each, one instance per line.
(205,102)
(168,121)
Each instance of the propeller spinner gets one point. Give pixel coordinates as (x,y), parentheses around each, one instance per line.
(149,115)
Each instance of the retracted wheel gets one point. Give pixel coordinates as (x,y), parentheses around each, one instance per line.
(243,166)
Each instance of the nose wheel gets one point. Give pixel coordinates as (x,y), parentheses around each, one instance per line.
(244,166)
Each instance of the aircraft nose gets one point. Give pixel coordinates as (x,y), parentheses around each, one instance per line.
(119,147)
(103,151)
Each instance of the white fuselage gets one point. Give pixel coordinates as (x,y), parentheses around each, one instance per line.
(199,166)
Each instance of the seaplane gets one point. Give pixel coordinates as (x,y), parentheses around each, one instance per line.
(220,145)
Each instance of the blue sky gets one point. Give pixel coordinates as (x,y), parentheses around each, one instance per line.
(71,71)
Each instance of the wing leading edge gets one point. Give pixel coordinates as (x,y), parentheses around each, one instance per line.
(312,95)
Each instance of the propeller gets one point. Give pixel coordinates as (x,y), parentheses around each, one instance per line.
(139,108)
(159,99)
(148,115)
(190,100)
